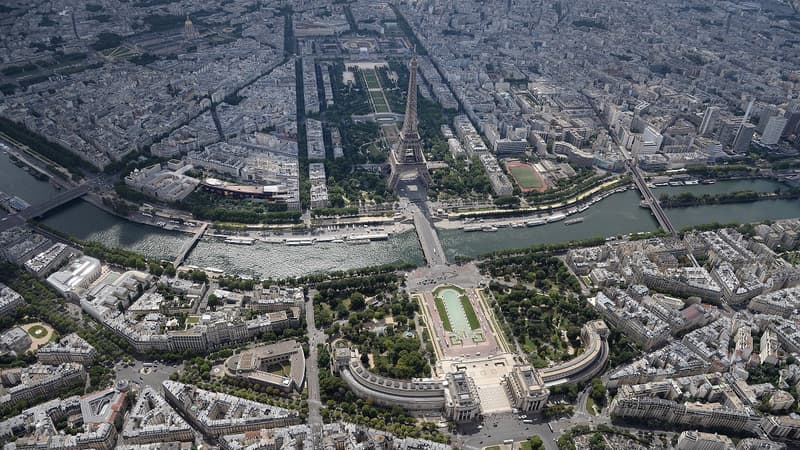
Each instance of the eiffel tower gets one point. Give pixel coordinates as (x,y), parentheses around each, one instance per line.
(406,158)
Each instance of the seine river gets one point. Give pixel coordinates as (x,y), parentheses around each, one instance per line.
(617,214)
(621,214)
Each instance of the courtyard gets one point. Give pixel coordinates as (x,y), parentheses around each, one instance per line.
(40,334)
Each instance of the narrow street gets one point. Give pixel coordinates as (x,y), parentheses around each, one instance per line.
(315,337)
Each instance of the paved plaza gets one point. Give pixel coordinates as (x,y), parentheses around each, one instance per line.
(427,278)
(146,374)
(487,374)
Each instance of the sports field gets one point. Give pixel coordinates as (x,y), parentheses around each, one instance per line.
(526,176)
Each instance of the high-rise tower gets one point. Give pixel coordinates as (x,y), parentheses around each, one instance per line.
(407,157)
(741,128)
(710,120)
(189,33)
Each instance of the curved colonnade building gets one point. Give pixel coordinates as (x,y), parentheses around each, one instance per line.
(456,395)
(586,365)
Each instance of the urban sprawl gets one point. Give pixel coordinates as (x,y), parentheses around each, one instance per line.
(299,123)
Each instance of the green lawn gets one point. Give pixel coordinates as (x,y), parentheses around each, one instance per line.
(470,312)
(527,345)
(376,92)
(526,177)
(37,331)
(590,405)
(372,79)
(442,314)
(281,369)
(379,101)
(423,331)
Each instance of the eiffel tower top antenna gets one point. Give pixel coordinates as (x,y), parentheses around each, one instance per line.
(410,120)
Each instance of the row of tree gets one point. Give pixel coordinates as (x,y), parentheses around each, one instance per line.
(689,199)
